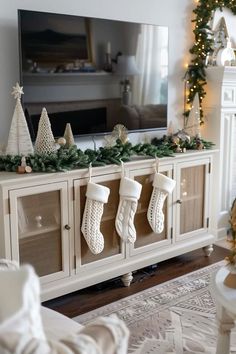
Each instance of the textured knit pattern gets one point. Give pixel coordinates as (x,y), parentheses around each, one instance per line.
(91,225)
(125,220)
(45,142)
(155,214)
(19,141)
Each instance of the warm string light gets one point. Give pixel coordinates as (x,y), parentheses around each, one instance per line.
(195,75)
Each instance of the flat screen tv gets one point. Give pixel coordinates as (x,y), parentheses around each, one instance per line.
(93,73)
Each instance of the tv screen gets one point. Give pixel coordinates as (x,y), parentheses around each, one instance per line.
(93,73)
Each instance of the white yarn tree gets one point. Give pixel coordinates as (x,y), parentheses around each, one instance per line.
(45,142)
(68,135)
(194,119)
(19,141)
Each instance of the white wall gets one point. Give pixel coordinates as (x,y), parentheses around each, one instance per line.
(176,14)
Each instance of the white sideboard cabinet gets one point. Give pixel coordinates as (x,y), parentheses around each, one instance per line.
(41,219)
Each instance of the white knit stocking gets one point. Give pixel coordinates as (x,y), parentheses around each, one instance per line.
(96,195)
(130,191)
(162,185)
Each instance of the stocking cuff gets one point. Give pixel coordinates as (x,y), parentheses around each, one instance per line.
(163,182)
(130,188)
(97,192)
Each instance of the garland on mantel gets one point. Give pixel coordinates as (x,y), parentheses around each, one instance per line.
(66,159)
(195,75)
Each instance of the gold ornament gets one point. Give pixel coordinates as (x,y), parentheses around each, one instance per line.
(120,132)
(175,139)
(178,149)
(28,169)
(200,145)
(61,141)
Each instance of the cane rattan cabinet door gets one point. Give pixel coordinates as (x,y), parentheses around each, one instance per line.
(40,230)
(192,198)
(146,238)
(113,245)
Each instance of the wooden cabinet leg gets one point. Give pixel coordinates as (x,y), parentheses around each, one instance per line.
(208,250)
(127,279)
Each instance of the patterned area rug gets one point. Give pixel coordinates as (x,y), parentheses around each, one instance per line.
(176,317)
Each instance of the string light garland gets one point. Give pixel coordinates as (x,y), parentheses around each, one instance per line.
(195,76)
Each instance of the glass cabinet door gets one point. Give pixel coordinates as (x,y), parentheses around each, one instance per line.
(146,238)
(113,245)
(38,219)
(191,201)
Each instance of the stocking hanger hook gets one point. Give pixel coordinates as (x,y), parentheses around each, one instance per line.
(122,168)
(157,164)
(90,172)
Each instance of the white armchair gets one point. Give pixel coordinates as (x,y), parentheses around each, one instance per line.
(28,328)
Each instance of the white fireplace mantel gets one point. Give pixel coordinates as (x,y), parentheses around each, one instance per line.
(222,73)
(220,127)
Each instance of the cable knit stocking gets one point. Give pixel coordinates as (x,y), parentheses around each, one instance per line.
(130,191)
(162,185)
(96,195)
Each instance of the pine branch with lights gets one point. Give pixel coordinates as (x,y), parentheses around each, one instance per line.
(124,151)
(61,160)
(65,159)
(152,150)
(174,142)
(196,76)
(10,163)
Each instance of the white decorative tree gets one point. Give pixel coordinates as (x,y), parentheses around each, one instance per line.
(45,142)
(193,123)
(19,141)
(68,135)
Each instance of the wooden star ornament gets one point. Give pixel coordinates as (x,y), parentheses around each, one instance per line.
(17,91)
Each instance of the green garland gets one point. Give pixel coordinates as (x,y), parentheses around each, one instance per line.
(174,142)
(195,75)
(67,159)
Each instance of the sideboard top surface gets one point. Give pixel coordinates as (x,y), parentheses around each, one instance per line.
(10,178)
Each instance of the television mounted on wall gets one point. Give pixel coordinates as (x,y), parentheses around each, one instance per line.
(92,73)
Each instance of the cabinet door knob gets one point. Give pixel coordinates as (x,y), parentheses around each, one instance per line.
(67,227)
(179,201)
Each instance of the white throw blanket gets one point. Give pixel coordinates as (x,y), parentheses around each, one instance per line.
(21,329)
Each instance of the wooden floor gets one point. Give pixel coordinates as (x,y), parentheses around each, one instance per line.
(102,294)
